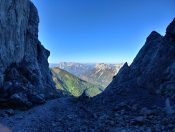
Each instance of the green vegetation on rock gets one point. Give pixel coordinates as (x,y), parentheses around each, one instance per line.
(73,85)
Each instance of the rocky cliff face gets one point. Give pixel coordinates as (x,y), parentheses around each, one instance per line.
(142,95)
(25,77)
(150,79)
(101,74)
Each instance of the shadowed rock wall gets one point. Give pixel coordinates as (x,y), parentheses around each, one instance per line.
(25,78)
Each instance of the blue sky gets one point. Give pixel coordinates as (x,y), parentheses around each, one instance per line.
(109,31)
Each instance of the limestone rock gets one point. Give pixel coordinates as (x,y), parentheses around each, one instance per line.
(152,72)
(23,59)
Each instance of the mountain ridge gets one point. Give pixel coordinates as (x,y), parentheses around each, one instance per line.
(73,85)
(95,73)
(141,97)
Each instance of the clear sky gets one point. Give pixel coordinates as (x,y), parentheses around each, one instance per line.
(100,30)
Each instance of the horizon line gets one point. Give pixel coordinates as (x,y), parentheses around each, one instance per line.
(88,62)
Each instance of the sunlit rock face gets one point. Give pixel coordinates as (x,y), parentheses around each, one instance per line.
(25,78)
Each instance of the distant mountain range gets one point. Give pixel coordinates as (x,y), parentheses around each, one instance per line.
(73,85)
(95,73)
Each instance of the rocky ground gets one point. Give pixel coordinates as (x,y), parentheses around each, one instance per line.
(72,114)
(140,98)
